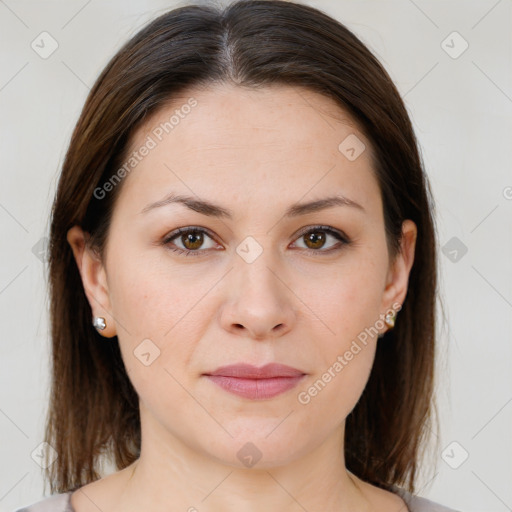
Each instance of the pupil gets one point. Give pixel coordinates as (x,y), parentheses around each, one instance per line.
(189,239)
(316,240)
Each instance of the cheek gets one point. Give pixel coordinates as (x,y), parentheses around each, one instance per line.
(350,297)
(148,294)
(346,351)
(328,397)
(157,320)
(349,308)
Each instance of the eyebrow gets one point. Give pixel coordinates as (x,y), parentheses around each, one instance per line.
(213,210)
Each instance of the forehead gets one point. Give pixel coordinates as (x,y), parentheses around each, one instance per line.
(260,111)
(261,143)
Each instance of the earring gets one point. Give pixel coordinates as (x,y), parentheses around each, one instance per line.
(390,319)
(99,323)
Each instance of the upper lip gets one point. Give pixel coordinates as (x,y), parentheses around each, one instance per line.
(248,371)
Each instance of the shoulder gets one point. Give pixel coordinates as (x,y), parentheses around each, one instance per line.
(417,504)
(55,503)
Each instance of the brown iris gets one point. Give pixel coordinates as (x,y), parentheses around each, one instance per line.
(192,240)
(314,239)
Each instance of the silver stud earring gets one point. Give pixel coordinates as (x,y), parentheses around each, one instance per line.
(99,323)
(390,319)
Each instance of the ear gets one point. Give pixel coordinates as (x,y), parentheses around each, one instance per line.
(94,278)
(398,273)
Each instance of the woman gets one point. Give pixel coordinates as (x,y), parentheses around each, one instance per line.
(241,218)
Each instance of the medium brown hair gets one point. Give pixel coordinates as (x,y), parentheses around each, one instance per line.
(94,410)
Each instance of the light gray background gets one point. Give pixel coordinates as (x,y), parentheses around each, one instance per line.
(461,109)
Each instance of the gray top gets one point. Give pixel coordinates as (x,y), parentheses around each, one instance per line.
(61,503)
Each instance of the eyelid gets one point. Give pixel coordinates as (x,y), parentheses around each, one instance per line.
(342,238)
(322,227)
(187,229)
(340,235)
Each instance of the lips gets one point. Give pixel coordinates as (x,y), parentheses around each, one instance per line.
(248,371)
(255,383)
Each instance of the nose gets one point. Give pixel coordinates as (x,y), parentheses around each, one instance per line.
(258,304)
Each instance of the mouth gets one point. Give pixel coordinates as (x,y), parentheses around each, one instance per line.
(255,383)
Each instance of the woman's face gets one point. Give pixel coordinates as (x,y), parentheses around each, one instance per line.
(258,281)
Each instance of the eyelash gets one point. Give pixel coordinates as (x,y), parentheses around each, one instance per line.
(193,229)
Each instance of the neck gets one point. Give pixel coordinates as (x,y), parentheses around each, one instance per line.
(170,472)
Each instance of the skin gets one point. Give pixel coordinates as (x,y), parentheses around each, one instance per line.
(254,152)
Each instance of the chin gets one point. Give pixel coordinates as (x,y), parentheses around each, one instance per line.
(256,449)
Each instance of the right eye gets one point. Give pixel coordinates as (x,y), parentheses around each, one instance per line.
(191,238)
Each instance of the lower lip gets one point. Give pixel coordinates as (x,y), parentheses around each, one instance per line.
(256,389)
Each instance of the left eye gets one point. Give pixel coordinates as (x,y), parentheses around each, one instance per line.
(317,237)
(192,239)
